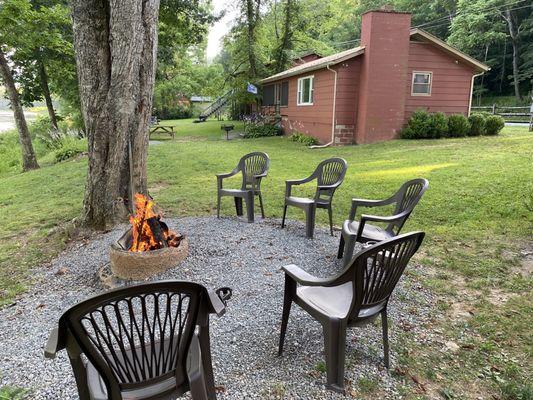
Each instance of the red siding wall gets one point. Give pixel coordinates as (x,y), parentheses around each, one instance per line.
(316,119)
(450,90)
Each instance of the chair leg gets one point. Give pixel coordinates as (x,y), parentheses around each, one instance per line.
(238,205)
(207,362)
(330,214)
(335,351)
(290,289)
(310,214)
(218,206)
(250,206)
(341,247)
(385,328)
(261,205)
(284,214)
(349,246)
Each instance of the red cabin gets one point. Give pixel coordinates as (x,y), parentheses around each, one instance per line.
(367,94)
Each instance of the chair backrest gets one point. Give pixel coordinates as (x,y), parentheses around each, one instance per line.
(376,271)
(252,164)
(407,197)
(329,172)
(138,335)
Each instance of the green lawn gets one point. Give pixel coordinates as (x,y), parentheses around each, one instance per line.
(477,214)
(186,129)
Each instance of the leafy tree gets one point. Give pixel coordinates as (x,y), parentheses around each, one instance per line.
(16,23)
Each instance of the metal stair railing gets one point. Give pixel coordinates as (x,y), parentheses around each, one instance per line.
(216,105)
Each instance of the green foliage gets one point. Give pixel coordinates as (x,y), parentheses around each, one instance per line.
(303,138)
(261,130)
(438,125)
(169,103)
(419,126)
(458,125)
(494,124)
(69,148)
(13,393)
(477,124)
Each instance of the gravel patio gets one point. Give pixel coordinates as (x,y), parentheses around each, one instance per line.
(224,252)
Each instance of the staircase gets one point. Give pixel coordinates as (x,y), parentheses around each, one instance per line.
(215,106)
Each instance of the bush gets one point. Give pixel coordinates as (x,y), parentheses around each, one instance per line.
(304,139)
(477,124)
(494,124)
(438,126)
(458,126)
(70,148)
(259,130)
(418,127)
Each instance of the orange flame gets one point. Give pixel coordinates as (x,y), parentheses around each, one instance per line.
(143,237)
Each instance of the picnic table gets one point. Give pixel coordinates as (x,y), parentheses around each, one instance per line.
(168,129)
(155,127)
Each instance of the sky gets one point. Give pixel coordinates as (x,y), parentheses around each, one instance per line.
(220,28)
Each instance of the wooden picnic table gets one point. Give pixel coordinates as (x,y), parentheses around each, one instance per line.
(168,129)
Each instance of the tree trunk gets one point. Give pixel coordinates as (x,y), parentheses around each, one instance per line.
(514,42)
(116,46)
(251,19)
(43,76)
(286,40)
(29,161)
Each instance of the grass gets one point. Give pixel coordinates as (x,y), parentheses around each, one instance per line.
(208,130)
(478,215)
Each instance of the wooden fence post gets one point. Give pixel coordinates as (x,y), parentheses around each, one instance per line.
(494,109)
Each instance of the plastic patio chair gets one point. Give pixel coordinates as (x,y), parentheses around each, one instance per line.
(139,342)
(254,167)
(405,199)
(329,175)
(354,297)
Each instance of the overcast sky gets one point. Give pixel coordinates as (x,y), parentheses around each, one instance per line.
(219,29)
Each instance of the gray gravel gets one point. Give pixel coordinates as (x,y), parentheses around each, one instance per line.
(225,252)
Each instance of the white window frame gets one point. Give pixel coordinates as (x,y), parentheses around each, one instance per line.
(311,91)
(428,73)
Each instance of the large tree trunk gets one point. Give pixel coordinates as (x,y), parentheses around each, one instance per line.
(116,45)
(43,76)
(514,42)
(286,41)
(29,161)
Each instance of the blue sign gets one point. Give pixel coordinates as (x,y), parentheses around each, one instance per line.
(251,89)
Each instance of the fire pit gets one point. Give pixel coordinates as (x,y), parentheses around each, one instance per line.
(149,247)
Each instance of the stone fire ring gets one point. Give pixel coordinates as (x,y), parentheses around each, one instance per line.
(143,265)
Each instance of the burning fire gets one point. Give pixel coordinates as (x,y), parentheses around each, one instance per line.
(148,231)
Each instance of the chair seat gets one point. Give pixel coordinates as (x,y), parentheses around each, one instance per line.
(233,192)
(334,301)
(98,391)
(370,232)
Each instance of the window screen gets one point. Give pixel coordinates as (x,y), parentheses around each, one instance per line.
(284,99)
(421,85)
(268,95)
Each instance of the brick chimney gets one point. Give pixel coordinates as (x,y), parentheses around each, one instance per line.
(383,84)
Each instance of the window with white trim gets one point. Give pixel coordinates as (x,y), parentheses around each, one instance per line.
(421,84)
(305,91)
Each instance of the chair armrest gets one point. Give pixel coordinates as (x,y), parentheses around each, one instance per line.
(221,177)
(53,345)
(218,300)
(227,175)
(303,278)
(368,203)
(376,218)
(291,182)
(334,186)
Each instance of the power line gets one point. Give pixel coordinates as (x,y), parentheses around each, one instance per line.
(491,9)
(448,17)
